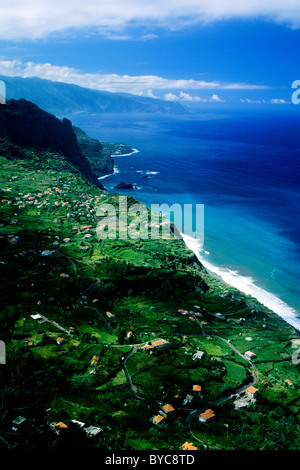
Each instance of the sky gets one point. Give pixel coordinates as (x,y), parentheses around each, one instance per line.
(193,51)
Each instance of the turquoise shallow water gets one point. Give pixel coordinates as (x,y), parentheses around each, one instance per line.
(244,169)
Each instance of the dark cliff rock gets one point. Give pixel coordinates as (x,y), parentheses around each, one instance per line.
(97,154)
(26,125)
(123,185)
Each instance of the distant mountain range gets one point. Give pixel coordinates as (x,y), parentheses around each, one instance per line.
(63,99)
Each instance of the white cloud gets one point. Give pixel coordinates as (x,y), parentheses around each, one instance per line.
(271,101)
(36,19)
(143,85)
(187,97)
(216,98)
(278,101)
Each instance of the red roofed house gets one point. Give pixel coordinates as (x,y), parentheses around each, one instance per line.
(188,446)
(168,409)
(159,419)
(207,416)
(252,391)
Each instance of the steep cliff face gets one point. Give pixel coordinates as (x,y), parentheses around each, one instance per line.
(98,154)
(26,125)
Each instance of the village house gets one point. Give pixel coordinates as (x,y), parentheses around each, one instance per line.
(252,391)
(58,427)
(92,431)
(288,382)
(159,343)
(207,416)
(47,252)
(188,446)
(188,399)
(168,409)
(95,360)
(37,317)
(17,423)
(60,340)
(158,419)
(250,355)
(198,355)
(197,389)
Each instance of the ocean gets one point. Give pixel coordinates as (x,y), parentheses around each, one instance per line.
(243,167)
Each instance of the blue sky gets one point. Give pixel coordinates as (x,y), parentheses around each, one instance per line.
(193,51)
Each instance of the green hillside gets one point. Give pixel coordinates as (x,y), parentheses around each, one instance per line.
(134,317)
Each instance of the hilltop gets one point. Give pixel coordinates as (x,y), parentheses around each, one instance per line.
(124,344)
(62,99)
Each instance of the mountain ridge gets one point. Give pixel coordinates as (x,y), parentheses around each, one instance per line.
(61,98)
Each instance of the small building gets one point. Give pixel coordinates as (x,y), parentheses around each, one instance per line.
(16,423)
(188,446)
(188,399)
(168,409)
(38,318)
(250,355)
(159,343)
(60,340)
(93,431)
(252,391)
(207,416)
(243,402)
(288,382)
(198,355)
(58,427)
(110,315)
(47,252)
(95,360)
(80,424)
(197,388)
(158,419)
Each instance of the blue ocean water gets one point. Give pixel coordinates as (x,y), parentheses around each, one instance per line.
(244,167)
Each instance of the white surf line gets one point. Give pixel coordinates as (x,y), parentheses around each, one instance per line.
(125,154)
(246,285)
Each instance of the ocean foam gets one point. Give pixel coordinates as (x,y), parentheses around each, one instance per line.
(125,154)
(110,174)
(245,284)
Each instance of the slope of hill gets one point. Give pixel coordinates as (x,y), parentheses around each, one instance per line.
(123,343)
(66,99)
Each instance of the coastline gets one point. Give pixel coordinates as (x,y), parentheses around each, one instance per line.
(125,154)
(109,174)
(245,285)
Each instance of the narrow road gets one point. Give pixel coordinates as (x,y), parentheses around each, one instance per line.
(101,316)
(132,388)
